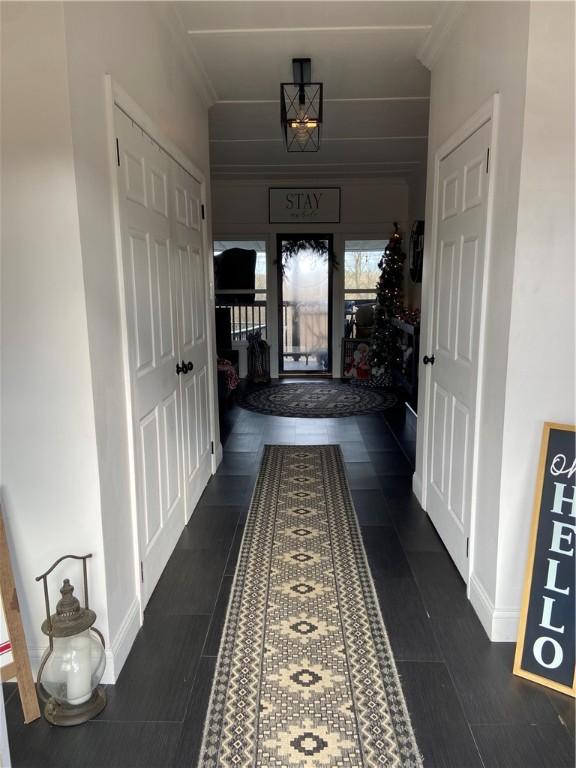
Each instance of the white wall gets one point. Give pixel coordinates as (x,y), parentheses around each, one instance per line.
(528,374)
(485,54)
(49,472)
(140,45)
(65,466)
(540,383)
(369,208)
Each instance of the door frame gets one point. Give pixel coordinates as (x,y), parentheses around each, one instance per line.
(292,236)
(488,112)
(116,96)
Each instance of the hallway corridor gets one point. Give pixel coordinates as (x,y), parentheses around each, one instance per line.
(466,707)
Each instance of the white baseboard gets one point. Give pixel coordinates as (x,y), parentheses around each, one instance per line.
(505,626)
(120,647)
(481,603)
(116,654)
(417,488)
(501,626)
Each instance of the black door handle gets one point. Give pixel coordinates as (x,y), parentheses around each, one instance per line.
(181,368)
(427,359)
(189,366)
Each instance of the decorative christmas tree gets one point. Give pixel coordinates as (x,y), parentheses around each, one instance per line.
(385,354)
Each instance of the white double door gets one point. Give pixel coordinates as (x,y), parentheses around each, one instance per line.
(462,197)
(164,284)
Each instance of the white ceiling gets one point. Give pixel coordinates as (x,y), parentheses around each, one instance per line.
(376,91)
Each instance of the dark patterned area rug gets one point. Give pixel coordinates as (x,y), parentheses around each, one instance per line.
(305,675)
(318,400)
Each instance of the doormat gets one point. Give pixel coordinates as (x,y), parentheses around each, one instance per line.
(318,400)
(305,674)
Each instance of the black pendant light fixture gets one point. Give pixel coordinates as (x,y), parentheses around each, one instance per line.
(301,109)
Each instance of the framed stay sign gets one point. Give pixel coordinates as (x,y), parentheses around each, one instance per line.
(545,650)
(304,205)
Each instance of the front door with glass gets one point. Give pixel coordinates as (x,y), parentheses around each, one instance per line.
(305,304)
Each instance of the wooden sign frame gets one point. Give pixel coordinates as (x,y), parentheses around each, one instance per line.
(20,666)
(305,205)
(540,478)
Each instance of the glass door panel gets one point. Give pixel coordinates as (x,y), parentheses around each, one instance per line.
(305,291)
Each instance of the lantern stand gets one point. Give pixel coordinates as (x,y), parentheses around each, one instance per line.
(77,663)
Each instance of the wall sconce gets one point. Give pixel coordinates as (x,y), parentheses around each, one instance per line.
(301,109)
(73,664)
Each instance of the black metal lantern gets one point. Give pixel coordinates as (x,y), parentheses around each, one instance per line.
(301,109)
(73,664)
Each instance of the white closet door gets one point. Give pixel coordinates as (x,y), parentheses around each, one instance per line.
(193,345)
(460,255)
(162,255)
(151,286)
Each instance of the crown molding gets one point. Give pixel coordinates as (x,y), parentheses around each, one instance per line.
(325,139)
(312,171)
(222,182)
(367,99)
(312,177)
(247,167)
(170,15)
(436,39)
(311,30)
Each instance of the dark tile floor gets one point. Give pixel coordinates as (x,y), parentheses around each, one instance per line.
(467,708)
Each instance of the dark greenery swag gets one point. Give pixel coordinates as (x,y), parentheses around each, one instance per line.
(318,246)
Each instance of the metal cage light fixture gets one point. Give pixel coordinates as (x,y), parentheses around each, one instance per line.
(301,109)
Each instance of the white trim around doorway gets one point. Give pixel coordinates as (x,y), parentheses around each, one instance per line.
(488,112)
(115,95)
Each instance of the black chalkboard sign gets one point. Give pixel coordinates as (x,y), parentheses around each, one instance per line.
(545,652)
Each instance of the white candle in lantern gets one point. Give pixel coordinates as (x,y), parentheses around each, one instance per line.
(79,677)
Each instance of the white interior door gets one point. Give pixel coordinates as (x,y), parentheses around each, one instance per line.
(163,280)
(187,228)
(460,253)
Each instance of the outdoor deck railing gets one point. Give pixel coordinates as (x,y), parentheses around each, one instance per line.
(304,324)
(245,318)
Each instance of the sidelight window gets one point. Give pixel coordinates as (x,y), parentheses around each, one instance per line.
(245,285)
(361,273)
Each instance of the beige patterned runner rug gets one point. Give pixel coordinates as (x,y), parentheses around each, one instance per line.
(305,675)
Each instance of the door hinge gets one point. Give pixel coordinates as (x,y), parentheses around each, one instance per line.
(487,159)
(118,152)
(203,211)
(467,546)
(141,571)
(212,447)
